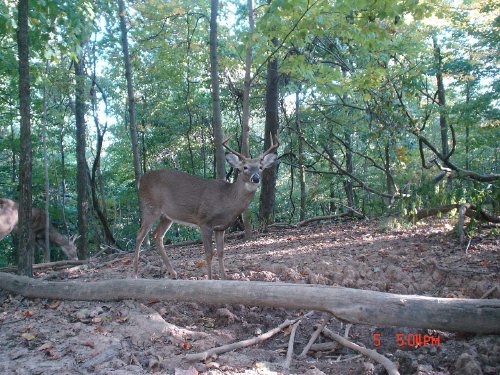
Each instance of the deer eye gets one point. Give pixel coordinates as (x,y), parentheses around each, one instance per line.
(245,168)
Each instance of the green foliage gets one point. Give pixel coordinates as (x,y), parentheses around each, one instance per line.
(365,71)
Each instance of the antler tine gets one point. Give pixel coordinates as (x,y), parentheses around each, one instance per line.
(224,143)
(273,147)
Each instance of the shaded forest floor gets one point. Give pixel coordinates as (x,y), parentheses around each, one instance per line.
(131,337)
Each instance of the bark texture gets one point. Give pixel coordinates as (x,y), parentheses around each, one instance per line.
(82,183)
(352,305)
(269,175)
(25,249)
(220,171)
(130,95)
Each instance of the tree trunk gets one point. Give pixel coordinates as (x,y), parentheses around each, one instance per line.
(14,151)
(443,124)
(245,119)
(63,179)
(220,171)
(467,126)
(94,174)
(26,243)
(352,305)
(46,168)
(131,95)
(269,175)
(300,146)
(348,186)
(349,191)
(390,186)
(82,199)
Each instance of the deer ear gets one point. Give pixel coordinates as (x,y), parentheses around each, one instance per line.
(268,160)
(233,160)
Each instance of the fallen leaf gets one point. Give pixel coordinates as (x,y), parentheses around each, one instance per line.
(185,345)
(28,313)
(51,355)
(100,329)
(121,319)
(189,371)
(46,346)
(28,336)
(54,305)
(200,263)
(89,344)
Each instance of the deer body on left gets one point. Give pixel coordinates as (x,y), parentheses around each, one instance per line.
(212,205)
(8,223)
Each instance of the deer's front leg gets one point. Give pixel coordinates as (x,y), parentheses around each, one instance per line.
(158,236)
(206,236)
(219,242)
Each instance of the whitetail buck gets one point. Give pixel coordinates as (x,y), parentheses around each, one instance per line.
(8,223)
(211,205)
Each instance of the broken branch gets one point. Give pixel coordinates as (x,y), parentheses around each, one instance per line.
(384,361)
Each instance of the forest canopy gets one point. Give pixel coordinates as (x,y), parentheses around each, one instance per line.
(380,107)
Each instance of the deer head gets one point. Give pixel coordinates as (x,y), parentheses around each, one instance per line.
(251,169)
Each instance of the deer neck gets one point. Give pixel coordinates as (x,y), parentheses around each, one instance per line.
(59,240)
(244,190)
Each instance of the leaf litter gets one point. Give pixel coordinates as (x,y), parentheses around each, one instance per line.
(130,337)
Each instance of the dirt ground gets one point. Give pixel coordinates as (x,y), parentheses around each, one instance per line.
(40,336)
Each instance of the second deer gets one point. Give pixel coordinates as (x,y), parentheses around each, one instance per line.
(9,213)
(212,205)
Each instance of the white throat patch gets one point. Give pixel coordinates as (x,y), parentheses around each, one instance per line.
(251,187)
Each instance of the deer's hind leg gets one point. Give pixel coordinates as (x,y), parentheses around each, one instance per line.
(158,235)
(219,242)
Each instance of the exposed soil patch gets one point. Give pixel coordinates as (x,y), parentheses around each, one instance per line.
(130,337)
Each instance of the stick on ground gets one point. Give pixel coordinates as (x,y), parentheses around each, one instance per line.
(241,344)
(289,353)
(384,361)
(324,320)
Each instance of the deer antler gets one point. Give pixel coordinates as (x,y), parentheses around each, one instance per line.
(273,147)
(241,156)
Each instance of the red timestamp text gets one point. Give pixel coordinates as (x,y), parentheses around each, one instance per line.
(410,340)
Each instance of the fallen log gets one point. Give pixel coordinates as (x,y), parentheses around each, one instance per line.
(471,211)
(352,305)
(54,265)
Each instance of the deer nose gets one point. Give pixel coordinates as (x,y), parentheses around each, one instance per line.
(255,178)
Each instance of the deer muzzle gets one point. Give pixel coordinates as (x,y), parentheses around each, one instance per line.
(255,178)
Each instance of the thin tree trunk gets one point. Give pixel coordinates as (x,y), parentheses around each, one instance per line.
(82,199)
(269,175)
(143,141)
(349,191)
(46,168)
(220,171)
(63,179)
(443,123)
(100,211)
(130,94)
(245,119)
(467,126)
(348,186)
(26,243)
(302,175)
(387,166)
(13,148)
